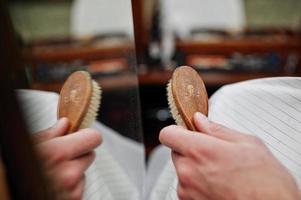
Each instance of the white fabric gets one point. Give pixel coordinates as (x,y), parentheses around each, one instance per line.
(268,108)
(92,17)
(165,183)
(181,17)
(106,172)
(156,162)
(39,108)
(128,153)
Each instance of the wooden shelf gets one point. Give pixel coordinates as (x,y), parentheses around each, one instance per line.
(210,78)
(67,54)
(113,82)
(282,46)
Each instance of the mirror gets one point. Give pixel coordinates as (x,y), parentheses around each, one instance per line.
(78,35)
(60,37)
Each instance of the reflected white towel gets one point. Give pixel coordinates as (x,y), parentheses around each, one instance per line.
(107,178)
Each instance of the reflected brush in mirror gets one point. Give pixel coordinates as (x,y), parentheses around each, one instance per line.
(79,100)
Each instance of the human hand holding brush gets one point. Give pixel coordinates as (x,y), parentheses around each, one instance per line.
(65,158)
(219,163)
(66,150)
(215,162)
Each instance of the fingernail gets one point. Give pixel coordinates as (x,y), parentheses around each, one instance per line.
(200,117)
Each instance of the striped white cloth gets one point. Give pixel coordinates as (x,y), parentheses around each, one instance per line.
(116,173)
(268,108)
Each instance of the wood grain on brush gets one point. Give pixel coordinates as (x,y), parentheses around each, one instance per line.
(189,94)
(75,99)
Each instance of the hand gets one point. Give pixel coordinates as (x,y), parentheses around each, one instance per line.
(218,163)
(65,158)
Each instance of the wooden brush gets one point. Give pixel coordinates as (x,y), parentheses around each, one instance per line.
(186,95)
(79,100)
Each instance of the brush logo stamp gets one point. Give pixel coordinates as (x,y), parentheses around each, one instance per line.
(75,94)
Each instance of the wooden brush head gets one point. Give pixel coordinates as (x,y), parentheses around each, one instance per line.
(189,94)
(75,99)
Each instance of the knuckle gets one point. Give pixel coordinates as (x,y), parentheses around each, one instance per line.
(194,152)
(58,156)
(75,196)
(93,133)
(38,137)
(163,133)
(182,194)
(201,152)
(185,175)
(70,178)
(91,137)
(255,140)
(97,139)
(167,129)
(54,151)
(93,155)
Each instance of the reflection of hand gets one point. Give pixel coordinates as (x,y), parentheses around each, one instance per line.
(66,157)
(223,164)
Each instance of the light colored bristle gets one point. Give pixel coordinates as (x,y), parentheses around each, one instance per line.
(172,106)
(93,106)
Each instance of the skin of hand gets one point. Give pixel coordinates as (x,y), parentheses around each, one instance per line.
(219,163)
(65,158)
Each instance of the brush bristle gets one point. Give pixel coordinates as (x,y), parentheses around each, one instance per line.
(93,106)
(172,106)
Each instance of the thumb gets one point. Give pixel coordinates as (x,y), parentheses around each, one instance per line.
(58,129)
(203,124)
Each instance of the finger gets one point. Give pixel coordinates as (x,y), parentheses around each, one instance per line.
(203,124)
(183,141)
(187,193)
(188,171)
(78,191)
(59,129)
(68,147)
(72,172)
(182,192)
(79,143)
(74,193)
(81,164)
(183,168)
(175,157)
